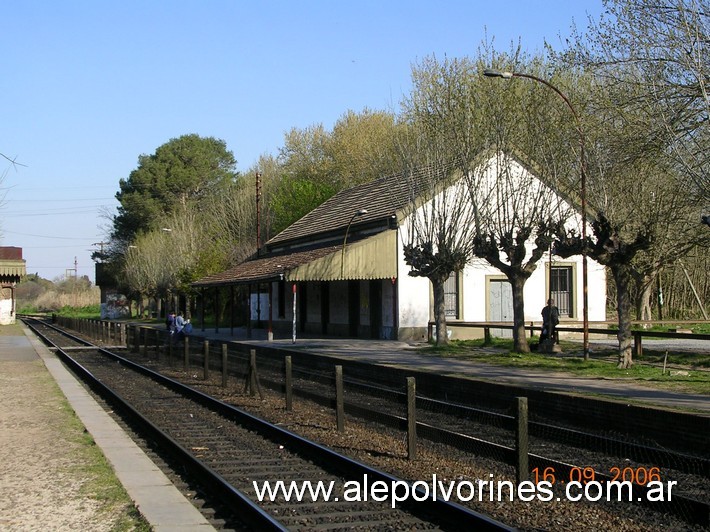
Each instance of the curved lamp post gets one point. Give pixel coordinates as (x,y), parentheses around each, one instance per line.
(583,193)
(361,212)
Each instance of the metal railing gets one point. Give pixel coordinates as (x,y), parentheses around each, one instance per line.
(638,334)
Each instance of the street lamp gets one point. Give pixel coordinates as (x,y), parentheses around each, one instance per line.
(361,212)
(583,194)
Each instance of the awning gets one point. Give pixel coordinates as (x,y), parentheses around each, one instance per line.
(12,269)
(371,258)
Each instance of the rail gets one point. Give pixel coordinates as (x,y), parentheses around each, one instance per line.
(637,334)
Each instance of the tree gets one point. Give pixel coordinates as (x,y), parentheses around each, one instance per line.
(362,147)
(186,170)
(645,122)
(13,162)
(438,237)
(316,163)
(671,221)
(511,216)
(657,53)
(616,251)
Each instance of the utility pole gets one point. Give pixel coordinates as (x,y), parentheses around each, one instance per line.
(68,274)
(258,212)
(258,245)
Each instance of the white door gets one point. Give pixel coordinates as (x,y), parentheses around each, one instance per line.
(500,305)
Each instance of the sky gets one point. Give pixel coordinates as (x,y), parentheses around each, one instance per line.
(88,86)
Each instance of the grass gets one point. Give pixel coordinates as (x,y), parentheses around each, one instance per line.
(101,484)
(89,312)
(13,329)
(685,372)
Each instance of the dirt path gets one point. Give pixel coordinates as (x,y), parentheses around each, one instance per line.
(51,476)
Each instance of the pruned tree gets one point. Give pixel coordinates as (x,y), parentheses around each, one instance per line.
(517,217)
(510,215)
(438,234)
(645,119)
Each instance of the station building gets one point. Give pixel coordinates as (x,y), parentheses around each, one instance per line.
(340,271)
(12,270)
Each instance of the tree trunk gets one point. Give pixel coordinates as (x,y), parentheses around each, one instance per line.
(442,336)
(622,279)
(520,341)
(644,291)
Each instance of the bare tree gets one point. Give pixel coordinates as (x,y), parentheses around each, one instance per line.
(516,219)
(646,122)
(473,130)
(13,164)
(439,232)
(657,54)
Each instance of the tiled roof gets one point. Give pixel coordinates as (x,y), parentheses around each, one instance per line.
(10,253)
(382,198)
(298,243)
(265,268)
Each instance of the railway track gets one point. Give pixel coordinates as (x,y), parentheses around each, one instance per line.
(231,453)
(568,451)
(475,431)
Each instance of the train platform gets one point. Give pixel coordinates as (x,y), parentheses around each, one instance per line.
(26,367)
(407,355)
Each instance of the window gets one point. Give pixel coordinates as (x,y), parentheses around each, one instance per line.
(561,289)
(451,296)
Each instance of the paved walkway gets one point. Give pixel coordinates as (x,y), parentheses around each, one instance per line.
(158,500)
(403,354)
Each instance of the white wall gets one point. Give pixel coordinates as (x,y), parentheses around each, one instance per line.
(414,292)
(7,316)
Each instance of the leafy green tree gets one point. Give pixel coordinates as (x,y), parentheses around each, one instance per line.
(295,198)
(316,163)
(186,170)
(362,147)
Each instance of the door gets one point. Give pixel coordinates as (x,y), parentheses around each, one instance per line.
(500,305)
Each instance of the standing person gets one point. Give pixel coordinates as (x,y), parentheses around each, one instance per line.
(550,319)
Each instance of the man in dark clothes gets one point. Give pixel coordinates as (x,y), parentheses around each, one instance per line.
(550,319)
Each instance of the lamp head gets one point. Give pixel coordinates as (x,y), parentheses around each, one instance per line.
(497,74)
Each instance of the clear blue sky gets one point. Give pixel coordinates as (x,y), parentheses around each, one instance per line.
(88,86)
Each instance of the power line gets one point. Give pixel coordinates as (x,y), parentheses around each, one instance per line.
(52,237)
